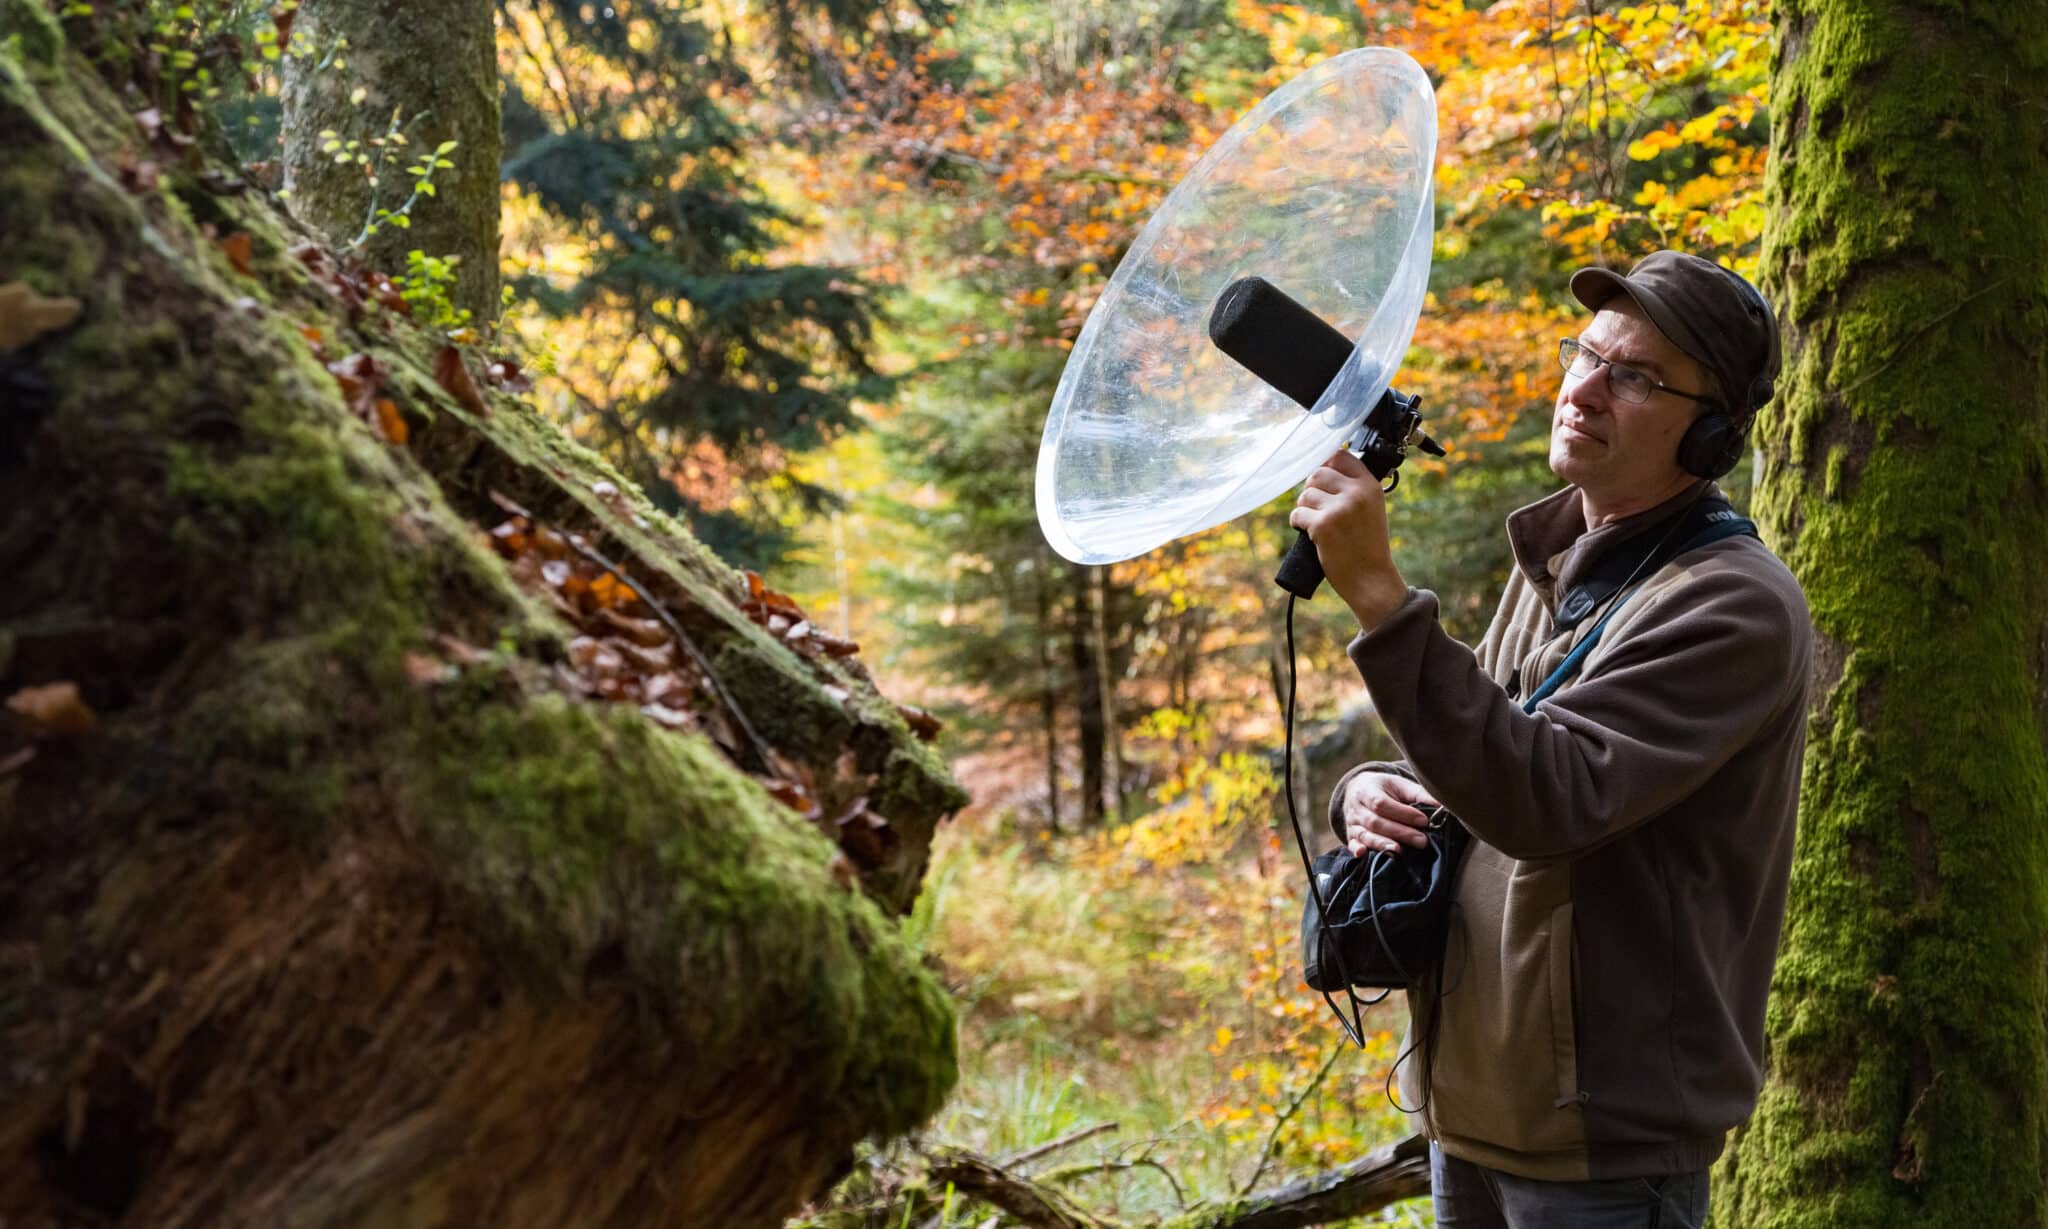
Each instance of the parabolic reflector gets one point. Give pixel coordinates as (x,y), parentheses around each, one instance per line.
(1323,189)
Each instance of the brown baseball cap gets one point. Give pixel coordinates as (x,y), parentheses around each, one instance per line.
(1711,313)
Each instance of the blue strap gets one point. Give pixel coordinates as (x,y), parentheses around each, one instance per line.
(1570,665)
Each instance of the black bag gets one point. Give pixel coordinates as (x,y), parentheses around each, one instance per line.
(1388,912)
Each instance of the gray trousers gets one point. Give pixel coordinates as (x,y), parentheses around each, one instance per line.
(1472,1196)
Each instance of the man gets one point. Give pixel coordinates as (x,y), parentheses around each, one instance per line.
(1600,1026)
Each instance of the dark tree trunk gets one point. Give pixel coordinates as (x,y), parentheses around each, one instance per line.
(1048,698)
(1087,695)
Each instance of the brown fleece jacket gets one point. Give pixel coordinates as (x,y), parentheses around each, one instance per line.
(1618,913)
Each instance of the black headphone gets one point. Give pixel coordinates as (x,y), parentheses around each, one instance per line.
(1715,441)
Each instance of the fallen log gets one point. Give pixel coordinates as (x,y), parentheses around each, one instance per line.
(351,872)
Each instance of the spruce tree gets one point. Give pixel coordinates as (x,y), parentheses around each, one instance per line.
(631,146)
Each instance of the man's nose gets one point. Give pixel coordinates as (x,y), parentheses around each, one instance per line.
(1591,392)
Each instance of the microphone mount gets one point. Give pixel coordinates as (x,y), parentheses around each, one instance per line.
(1300,354)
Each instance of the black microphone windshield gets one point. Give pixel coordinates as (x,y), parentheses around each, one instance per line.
(1277,339)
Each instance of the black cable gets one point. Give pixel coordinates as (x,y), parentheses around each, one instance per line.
(1352,1025)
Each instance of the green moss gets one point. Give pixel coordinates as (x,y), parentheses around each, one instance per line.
(589,828)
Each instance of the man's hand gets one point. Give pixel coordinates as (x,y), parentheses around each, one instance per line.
(1345,514)
(1379,810)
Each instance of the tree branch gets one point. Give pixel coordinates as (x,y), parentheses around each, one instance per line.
(1037,1206)
(1385,1175)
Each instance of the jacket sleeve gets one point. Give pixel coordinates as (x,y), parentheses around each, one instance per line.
(1686,687)
(1398,768)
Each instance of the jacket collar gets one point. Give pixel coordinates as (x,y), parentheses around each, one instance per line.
(1553,547)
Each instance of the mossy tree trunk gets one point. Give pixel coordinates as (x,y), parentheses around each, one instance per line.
(435,66)
(1907,485)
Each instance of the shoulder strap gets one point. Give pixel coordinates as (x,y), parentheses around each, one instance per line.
(1713,530)
(1633,557)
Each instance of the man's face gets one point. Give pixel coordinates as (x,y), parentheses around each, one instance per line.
(1621,452)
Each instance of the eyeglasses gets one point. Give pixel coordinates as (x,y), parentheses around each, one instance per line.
(1628,384)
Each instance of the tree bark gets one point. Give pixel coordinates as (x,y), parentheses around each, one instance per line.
(435,66)
(1087,695)
(1906,483)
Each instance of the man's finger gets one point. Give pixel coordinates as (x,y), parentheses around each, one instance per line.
(1325,479)
(1310,497)
(1410,792)
(1348,465)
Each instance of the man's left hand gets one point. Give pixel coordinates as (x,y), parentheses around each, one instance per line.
(1345,514)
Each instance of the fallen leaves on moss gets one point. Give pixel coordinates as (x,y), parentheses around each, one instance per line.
(628,651)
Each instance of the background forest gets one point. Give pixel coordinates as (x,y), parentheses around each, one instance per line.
(810,273)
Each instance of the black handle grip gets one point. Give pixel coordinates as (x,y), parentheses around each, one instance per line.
(1301,572)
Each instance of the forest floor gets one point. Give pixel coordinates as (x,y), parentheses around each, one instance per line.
(1158,995)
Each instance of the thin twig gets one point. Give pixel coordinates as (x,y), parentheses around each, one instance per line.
(1054,1145)
(1070,1172)
(1925,327)
(577,544)
(1273,1137)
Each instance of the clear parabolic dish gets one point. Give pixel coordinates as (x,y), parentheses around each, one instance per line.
(1323,189)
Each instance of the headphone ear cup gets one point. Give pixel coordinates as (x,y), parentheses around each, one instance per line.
(1710,446)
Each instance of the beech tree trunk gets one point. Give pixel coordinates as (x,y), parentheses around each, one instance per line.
(434,65)
(333,890)
(1906,482)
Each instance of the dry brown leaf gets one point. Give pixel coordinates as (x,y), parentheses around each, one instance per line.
(508,375)
(390,422)
(54,708)
(672,718)
(647,633)
(834,646)
(793,796)
(922,723)
(26,315)
(361,376)
(237,249)
(453,375)
(139,174)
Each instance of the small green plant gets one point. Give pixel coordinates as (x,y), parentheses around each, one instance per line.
(427,285)
(372,154)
